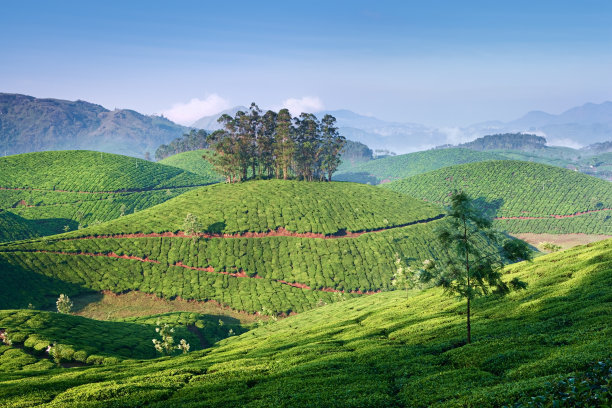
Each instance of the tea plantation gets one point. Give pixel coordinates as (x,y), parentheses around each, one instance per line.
(406,165)
(283,246)
(41,195)
(192,161)
(389,349)
(526,197)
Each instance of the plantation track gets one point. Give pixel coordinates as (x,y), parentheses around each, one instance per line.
(578,214)
(240,274)
(280,232)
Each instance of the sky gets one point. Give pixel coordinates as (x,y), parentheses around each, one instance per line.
(442,63)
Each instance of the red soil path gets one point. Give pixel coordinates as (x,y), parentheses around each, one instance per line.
(553,215)
(209,269)
(280,232)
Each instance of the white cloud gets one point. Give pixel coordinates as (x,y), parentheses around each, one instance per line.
(187,113)
(566,142)
(455,135)
(308,104)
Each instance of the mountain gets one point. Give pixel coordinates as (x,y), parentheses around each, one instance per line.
(29,124)
(524,197)
(210,122)
(576,127)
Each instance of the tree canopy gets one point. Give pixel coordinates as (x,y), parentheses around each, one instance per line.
(254,144)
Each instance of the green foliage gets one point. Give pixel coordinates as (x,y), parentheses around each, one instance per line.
(48,192)
(64,304)
(515,191)
(382,350)
(466,267)
(194,140)
(406,165)
(507,141)
(165,345)
(549,246)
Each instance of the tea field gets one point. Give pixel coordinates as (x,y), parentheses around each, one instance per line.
(523,196)
(389,349)
(192,162)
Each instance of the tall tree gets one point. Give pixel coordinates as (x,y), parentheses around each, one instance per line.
(307,147)
(331,146)
(473,255)
(285,143)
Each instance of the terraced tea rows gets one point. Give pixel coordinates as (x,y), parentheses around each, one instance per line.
(385,350)
(527,197)
(193,162)
(407,165)
(41,195)
(258,268)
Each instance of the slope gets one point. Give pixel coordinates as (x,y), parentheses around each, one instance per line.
(406,165)
(193,162)
(29,124)
(47,192)
(385,350)
(282,246)
(527,197)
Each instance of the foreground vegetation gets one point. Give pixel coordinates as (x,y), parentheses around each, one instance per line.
(525,197)
(386,350)
(51,192)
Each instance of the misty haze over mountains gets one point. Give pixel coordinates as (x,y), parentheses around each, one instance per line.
(32,124)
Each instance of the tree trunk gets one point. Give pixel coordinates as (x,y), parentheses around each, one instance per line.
(469,326)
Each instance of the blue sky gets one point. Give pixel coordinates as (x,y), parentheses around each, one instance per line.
(443,63)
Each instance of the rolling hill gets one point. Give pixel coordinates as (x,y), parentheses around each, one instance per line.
(526,197)
(406,165)
(193,162)
(283,246)
(29,124)
(387,350)
(46,193)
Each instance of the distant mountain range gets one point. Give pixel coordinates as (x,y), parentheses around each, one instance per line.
(29,124)
(576,127)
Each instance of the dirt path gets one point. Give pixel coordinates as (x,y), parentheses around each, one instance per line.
(553,215)
(563,240)
(280,232)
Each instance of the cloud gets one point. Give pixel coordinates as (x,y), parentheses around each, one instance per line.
(455,135)
(307,104)
(566,142)
(187,113)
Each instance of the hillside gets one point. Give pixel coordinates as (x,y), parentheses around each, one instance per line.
(527,197)
(45,193)
(387,350)
(406,165)
(29,124)
(193,162)
(280,245)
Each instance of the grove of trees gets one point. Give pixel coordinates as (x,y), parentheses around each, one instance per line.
(254,144)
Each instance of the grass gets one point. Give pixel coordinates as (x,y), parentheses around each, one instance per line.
(387,350)
(406,165)
(40,195)
(522,190)
(193,162)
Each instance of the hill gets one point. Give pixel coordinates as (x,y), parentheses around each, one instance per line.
(527,197)
(29,124)
(45,193)
(282,246)
(386,350)
(193,162)
(507,141)
(406,165)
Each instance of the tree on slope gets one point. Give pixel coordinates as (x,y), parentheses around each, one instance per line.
(473,255)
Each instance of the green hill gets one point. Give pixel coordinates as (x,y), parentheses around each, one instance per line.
(193,162)
(384,350)
(527,197)
(45,193)
(284,246)
(406,165)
